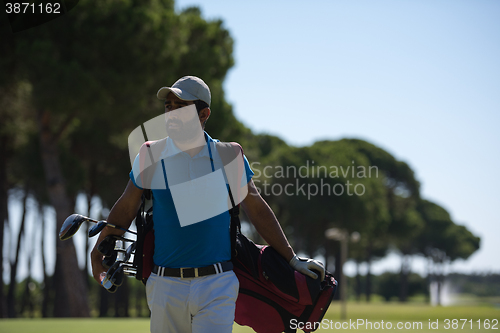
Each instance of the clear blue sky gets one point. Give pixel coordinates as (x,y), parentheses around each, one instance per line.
(420,79)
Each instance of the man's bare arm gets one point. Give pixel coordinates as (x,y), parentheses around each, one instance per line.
(264,220)
(122,214)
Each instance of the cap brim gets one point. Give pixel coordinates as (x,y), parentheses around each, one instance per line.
(164,91)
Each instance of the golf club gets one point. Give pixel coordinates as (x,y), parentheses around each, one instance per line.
(111,239)
(115,256)
(116,274)
(108,246)
(107,224)
(118,277)
(74,221)
(96,228)
(108,285)
(129,272)
(130,250)
(107,262)
(71,225)
(102,224)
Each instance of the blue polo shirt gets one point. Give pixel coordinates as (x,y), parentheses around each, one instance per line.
(196,244)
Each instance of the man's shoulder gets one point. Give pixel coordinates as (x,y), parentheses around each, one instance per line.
(151,152)
(229,151)
(229,145)
(225,145)
(155,143)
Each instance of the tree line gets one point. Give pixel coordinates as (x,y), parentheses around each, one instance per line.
(72,90)
(388,212)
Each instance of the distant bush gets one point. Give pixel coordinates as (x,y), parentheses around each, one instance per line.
(482,285)
(387,285)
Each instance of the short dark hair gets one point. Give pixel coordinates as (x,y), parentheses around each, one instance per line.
(200,105)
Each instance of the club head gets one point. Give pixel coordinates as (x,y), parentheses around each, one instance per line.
(107,246)
(115,273)
(118,276)
(106,283)
(71,226)
(113,269)
(130,271)
(107,262)
(129,251)
(97,228)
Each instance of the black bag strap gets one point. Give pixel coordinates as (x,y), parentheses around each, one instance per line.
(139,223)
(235,224)
(144,223)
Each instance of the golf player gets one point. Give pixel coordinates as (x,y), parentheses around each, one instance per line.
(192,287)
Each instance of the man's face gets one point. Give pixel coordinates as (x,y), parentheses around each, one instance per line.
(182,121)
(172,102)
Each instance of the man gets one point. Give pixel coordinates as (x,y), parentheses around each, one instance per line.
(191,230)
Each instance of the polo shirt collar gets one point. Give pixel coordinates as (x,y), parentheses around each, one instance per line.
(171,149)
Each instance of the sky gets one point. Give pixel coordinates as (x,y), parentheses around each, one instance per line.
(419,79)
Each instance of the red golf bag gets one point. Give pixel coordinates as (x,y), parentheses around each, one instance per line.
(273,297)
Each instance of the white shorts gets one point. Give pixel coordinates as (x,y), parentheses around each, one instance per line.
(203,304)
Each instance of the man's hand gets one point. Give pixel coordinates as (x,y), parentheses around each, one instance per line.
(122,214)
(304,265)
(98,270)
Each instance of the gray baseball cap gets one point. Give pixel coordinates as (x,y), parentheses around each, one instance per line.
(187,88)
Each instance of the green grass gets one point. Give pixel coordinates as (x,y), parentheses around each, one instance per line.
(90,325)
(375,313)
(413,313)
(397,311)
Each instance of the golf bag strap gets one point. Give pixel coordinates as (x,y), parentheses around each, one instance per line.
(140,211)
(147,201)
(235,224)
(143,225)
(139,224)
(146,206)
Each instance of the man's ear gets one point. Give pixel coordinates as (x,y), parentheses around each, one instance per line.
(204,115)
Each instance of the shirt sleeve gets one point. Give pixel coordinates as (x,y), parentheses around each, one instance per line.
(248,172)
(133,176)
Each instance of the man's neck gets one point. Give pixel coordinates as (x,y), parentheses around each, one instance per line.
(192,147)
